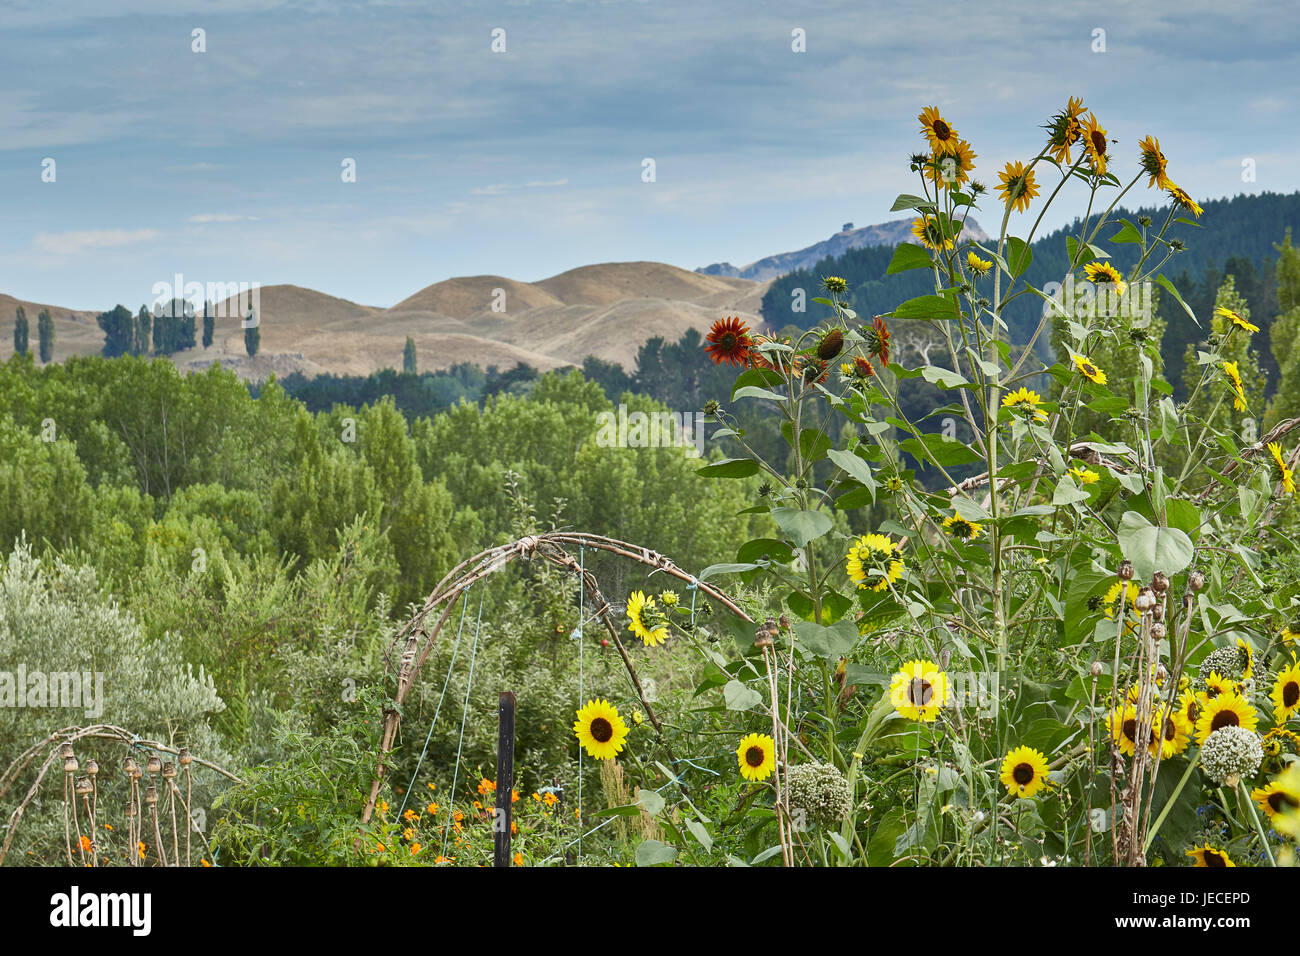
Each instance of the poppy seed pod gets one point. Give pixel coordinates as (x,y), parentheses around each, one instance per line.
(765,635)
(183,756)
(1125,570)
(129,766)
(1197,580)
(1096,669)
(151,795)
(83,786)
(153,764)
(1159,582)
(1158,612)
(1145,600)
(70,764)
(1158,631)
(168,770)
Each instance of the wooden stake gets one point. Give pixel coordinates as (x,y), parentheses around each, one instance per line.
(505,778)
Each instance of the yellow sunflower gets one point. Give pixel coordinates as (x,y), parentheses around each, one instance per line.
(1130,590)
(756,756)
(919,690)
(1234,382)
(1095,144)
(929,233)
(1153,161)
(1286,693)
(874,552)
(1064,130)
(1025,401)
(1179,196)
(1024,772)
(1088,370)
(1103,273)
(1123,725)
(1176,736)
(1235,319)
(960,528)
(977,265)
(1226,710)
(1216,684)
(1281,474)
(937,131)
(600,730)
(1018,186)
(1085,476)
(639,606)
(953,167)
(1276,798)
(1189,705)
(1208,856)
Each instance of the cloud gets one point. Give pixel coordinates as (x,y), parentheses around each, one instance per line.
(497,189)
(79,242)
(222,217)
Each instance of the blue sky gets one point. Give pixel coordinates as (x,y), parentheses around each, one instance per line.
(225,165)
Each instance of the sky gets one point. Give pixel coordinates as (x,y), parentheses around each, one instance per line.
(226,165)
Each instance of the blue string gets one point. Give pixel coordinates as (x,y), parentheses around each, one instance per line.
(469,685)
(427,737)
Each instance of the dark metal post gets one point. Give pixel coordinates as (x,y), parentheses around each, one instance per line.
(505,778)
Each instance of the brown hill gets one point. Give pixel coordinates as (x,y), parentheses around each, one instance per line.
(606,310)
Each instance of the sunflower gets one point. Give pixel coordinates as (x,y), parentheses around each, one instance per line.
(1234,381)
(756,756)
(1153,162)
(1189,705)
(729,341)
(919,690)
(1025,401)
(1208,856)
(929,233)
(1248,655)
(1018,186)
(1216,684)
(600,730)
(977,265)
(1085,476)
(1123,723)
(962,529)
(641,607)
(1235,319)
(1095,144)
(1024,772)
(860,368)
(874,552)
(1088,370)
(941,136)
(1227,710)
(1286,693)
(953,167)
(1290,633)
(1179,195)
(1105,273)
(1283,475)
(1130,598)
(876,338)
(1064,130)
(1276,798)
(1177,734)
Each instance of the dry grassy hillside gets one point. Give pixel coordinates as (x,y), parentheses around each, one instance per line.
(606,310)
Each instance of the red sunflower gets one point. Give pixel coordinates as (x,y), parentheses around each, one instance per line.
(877,340)
(729,342)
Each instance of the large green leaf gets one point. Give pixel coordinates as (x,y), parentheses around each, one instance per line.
(730,468)
(1152,548)
(653,853)
(801,526)
(829,642)
(908,256)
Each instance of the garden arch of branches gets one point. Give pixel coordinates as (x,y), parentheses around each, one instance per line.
(417,636)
